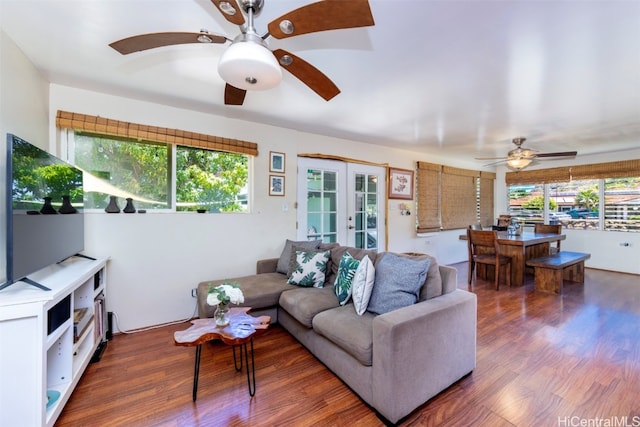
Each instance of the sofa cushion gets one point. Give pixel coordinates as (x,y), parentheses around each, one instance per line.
(352,333)
(259,290)
(433,285)
(310,269)
(304,303)
(285,256)
(336,256)
(362,285)
(398,282)
(346,272)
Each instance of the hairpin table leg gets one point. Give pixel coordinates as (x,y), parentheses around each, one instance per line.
(196,371)
(252,388)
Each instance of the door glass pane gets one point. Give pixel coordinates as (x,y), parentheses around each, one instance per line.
(329,202)
(314,179)
(360,181)
(366,208)
(330,181)
(322,205)
(372,183)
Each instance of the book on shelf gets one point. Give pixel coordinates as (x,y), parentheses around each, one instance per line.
(81,320)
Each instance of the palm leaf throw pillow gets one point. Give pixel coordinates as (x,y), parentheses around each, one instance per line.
(310,269)
(346,271)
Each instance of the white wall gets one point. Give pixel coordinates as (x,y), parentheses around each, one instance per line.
(24,112)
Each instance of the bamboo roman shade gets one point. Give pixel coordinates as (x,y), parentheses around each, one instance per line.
(487,180)
(104,126)
(621,169)
(428,191)
(452,198)
(459,203)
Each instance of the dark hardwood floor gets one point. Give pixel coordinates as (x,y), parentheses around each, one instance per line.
(542,360)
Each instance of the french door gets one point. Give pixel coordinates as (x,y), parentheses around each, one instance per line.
(341,202)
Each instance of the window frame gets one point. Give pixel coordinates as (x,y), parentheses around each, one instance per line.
(67,153)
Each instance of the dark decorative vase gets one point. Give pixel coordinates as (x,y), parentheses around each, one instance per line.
(129,208)
(67,207)
(47,208)
(112,207)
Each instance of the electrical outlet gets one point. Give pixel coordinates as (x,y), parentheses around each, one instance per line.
(194,293)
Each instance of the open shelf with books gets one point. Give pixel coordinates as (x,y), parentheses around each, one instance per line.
(49,338)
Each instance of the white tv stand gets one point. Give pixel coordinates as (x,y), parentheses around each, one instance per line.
(43,353)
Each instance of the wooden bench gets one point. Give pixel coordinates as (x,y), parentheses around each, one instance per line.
(550,271)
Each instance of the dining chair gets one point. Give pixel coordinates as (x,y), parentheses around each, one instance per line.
(549,229)
(484,249)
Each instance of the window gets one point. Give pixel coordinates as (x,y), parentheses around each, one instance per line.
(622,204)
(452,198)
(603,196)
(123,168)
(207,180)
(151,164)
(573,204)
(211,180)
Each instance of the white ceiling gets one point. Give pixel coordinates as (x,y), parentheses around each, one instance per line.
(459,77)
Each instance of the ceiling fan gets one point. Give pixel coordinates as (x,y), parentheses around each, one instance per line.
(519,158)
(249,64)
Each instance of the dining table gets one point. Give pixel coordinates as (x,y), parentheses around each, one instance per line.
(521,248)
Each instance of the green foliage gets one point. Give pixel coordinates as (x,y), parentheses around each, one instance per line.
(537,202)
(204,179)
(210,179)
(588,199)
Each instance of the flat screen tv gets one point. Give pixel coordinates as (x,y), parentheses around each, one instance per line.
(45,220)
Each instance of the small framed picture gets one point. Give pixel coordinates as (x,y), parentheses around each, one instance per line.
(276,185)
(400,184)
(276,162)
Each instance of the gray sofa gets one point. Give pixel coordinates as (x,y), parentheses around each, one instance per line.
(394,361)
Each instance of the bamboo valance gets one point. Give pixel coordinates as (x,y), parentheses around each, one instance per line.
(621,169)
(104,126)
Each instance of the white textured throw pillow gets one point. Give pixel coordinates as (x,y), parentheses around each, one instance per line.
(362,285)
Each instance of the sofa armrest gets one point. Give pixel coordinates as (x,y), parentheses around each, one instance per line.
(420,350)
(266,265)
(449,278)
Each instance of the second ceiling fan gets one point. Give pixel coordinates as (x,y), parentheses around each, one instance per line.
(519,158)
(249,64)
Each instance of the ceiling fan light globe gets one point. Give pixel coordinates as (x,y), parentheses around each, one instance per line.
(519,163)
(249,66)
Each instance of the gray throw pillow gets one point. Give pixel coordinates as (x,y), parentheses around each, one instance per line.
(398,282)
(285,256)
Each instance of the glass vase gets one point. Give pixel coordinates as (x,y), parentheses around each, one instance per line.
(221,315)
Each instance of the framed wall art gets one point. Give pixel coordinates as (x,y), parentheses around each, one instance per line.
(400,184)
(276,185)
(276,162)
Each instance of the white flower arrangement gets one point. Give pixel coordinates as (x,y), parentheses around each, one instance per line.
(225,293)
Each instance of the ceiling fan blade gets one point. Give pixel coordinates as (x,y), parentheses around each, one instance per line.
(233,95)
(322,16)
(308,74)
(154,40)
(230,10)
(491,158)
(559,154)
(496,162)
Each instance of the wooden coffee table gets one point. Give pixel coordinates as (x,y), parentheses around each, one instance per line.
(239,332)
